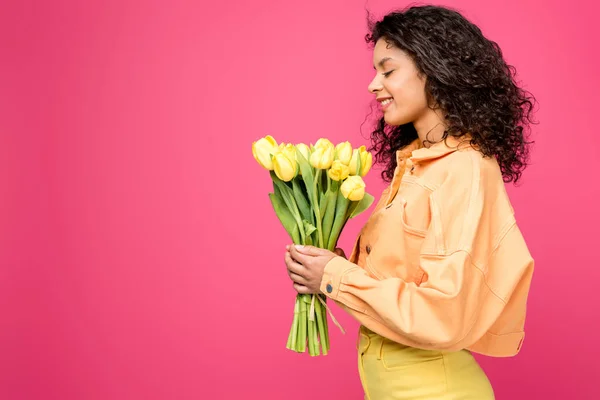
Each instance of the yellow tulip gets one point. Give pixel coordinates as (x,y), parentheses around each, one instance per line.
(322,157)
(323,143)
(343,152)
(339,171)
(366,161)
(262,150)
(353,188)
(289,150)
(284,166)
(304,150)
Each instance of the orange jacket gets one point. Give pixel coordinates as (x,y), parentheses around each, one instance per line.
(440,263)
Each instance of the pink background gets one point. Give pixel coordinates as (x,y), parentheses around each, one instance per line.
(139,254)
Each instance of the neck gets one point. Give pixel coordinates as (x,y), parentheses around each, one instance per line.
(430,127)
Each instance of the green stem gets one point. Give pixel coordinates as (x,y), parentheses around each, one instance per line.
(295,324)
(339,220)
(298,218)
(311,344)
(316,208)
(326,322)
(289,341)
(316,339)
(321,325)
(302,327)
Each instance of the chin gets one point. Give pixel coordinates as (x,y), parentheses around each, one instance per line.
(394,120)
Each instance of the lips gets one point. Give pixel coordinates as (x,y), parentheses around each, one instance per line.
(385,102)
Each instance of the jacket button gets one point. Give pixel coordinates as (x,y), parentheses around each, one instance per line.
(329,288)
(368,249)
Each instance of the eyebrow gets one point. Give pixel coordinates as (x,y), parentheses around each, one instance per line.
(383,61)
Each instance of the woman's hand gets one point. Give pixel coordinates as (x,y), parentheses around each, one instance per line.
(305,265)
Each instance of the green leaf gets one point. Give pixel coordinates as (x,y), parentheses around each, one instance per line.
(328,216)
(277,191)
(323,182)
(286,218)
(335,185)
(362,205)
(287,194)
(322,204)
(339,221)
(317,209)
(308,227)
(309,240)
(301,201)
(308,174)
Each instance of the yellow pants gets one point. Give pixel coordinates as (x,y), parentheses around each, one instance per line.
(392,371)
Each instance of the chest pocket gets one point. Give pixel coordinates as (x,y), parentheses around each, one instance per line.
(394,238)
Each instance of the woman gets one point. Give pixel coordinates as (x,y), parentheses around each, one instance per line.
(440,269)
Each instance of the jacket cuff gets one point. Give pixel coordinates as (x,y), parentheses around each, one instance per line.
(334,271)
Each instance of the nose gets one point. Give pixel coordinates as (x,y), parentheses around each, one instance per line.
(375,85)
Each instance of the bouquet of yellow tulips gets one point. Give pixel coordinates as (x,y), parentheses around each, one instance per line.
(316,190)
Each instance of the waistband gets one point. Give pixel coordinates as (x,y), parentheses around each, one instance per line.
(373,342)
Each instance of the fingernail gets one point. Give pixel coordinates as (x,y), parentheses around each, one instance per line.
(287,246)
(299,246)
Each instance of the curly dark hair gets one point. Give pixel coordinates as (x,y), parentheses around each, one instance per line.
(466,77)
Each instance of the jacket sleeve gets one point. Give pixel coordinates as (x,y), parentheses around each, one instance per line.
(474,257)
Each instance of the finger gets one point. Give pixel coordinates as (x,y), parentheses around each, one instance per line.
(293,266)
(299,257)
(298,279)
(301,289)
(310,250)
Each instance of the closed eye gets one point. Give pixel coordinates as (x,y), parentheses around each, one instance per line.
(386,74)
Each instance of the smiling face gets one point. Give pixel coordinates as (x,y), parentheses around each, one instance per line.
(398,86)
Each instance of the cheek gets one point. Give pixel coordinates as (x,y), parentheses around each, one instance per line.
(411,94)
(397,88)
(410,101)
(408,90)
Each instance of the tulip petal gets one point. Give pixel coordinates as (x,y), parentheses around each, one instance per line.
(271,140)
(284,167)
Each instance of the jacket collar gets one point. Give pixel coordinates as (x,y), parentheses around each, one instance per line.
(405,152)
(441,148)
